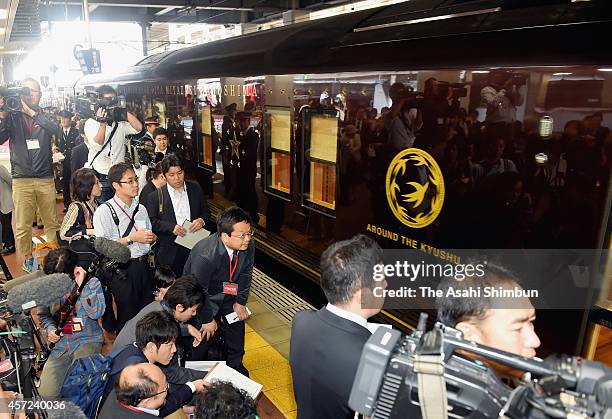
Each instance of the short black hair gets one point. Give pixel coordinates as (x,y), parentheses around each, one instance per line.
(133,392)
(159,131)
(454,310)
(81,184)
(158,327)
(105,89)
(231,216)
(222,400)
(348,266)
(116,172)
(186,292)
(60,261)
(164,276)
(171,160)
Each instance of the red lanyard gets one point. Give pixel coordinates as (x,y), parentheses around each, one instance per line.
(28,125)
(126,214)
(232,269)
(130,407)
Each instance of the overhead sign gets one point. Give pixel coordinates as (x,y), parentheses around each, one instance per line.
(89,60)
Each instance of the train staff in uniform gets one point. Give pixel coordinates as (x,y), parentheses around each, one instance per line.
(68,139)
(123,219)
(247,171)
(227,136)
(326,344)
(151,124)
(170,206)
(223,265)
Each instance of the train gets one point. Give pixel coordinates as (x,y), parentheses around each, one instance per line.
(389,122)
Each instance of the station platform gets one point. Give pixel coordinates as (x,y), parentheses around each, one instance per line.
(268,331)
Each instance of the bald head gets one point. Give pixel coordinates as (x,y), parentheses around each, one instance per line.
(142,385)
(35,93)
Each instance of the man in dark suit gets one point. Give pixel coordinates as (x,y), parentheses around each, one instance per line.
(326,344)
(170,206)
(223,265)
(69,138)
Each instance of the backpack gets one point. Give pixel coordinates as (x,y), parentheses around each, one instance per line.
(87,381)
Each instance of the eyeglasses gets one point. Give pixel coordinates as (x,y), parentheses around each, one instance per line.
(242,236)
(161,392)
(130,181)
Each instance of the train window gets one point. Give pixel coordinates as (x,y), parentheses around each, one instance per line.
(277,151)
(205,143)
(320,151)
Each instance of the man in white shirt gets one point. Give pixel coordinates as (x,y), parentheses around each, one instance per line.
(104,150)
(326,344)
(124,220)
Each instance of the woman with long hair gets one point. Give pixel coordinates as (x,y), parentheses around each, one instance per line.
(155,180)
(85,187)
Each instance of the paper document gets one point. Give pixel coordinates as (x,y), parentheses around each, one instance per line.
(222,372)
(191,239)
(202,365)
(233,316)
(373,327)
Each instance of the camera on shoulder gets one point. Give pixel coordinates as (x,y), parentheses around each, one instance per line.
(88,104)
(12,97)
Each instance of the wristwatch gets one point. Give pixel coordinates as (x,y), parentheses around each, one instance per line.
(130,241)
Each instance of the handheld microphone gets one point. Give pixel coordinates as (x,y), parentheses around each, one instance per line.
(40,292)
(112,250)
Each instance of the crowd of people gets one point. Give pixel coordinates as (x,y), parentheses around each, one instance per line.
(167,303)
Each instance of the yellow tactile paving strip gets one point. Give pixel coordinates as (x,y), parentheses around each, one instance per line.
(268,332)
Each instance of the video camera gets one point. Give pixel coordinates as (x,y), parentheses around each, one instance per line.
(12,98)
(458,89)
(141,152)
(422,376)
(88,104)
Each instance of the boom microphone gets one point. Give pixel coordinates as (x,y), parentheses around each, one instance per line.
(112,250)
(22,280)
(40,292)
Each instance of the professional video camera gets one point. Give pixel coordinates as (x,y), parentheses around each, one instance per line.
(422,376)
(141,151)
(458,89)
(12,98)
(88,104)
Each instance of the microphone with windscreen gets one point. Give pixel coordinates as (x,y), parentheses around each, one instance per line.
(112,250)
(39,292)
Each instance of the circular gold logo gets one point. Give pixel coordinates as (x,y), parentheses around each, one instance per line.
(415,188)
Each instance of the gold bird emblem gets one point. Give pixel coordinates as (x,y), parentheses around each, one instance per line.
(418,195)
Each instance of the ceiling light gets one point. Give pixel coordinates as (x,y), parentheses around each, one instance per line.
(480,71)
(561,74)
(604,69)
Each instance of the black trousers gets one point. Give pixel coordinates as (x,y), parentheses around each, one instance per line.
(8,237)
(180,258)
(234,339)
(133,292)
(66,175)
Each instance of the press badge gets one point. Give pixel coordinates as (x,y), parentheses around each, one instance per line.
(32,144)
(230,289)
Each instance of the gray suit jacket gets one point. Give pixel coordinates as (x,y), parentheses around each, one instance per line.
(175,374)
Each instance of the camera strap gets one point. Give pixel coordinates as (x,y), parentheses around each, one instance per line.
(110,137)
(116,219)
(432,385)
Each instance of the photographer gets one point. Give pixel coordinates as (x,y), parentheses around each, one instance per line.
(502,95)
(440,102)
(82,335)
(31,132)
(403,119)
(107,139)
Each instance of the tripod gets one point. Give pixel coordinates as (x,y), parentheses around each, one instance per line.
(22,352)
(5,269)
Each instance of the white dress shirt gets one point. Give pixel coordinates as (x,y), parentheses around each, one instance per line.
(347,315)
(114,152)
(180,203)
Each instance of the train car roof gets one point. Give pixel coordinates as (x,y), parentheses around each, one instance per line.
(406,36)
